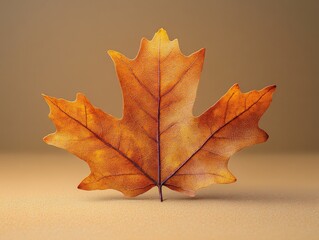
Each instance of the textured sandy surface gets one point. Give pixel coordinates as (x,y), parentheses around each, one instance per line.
(276,197)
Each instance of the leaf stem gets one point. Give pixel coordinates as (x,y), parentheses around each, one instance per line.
(160,192)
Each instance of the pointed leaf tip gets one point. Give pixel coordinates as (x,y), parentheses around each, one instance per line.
(79,96)
(161,30)
(161,33)
(45,139)
(46,98)
(113,53)
(235,87)
(271,88)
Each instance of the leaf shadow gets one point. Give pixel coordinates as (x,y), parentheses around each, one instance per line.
(233,197)
(120,197)
(259,197)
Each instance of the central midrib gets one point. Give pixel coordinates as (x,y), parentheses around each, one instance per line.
(159,183)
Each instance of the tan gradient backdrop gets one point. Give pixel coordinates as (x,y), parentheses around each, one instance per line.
(59,48)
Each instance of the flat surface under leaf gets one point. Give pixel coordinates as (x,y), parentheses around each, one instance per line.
(282,202)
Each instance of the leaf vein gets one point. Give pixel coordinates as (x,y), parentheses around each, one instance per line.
(182,76)
(138,80)
(106,143)
(212,135)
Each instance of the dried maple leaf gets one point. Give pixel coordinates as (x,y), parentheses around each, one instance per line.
(158,141)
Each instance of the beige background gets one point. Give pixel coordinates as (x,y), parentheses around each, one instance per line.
(59,48)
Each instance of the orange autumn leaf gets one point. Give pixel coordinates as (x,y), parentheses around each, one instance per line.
(158,141)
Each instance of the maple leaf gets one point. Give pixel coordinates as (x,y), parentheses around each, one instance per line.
(158,141)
